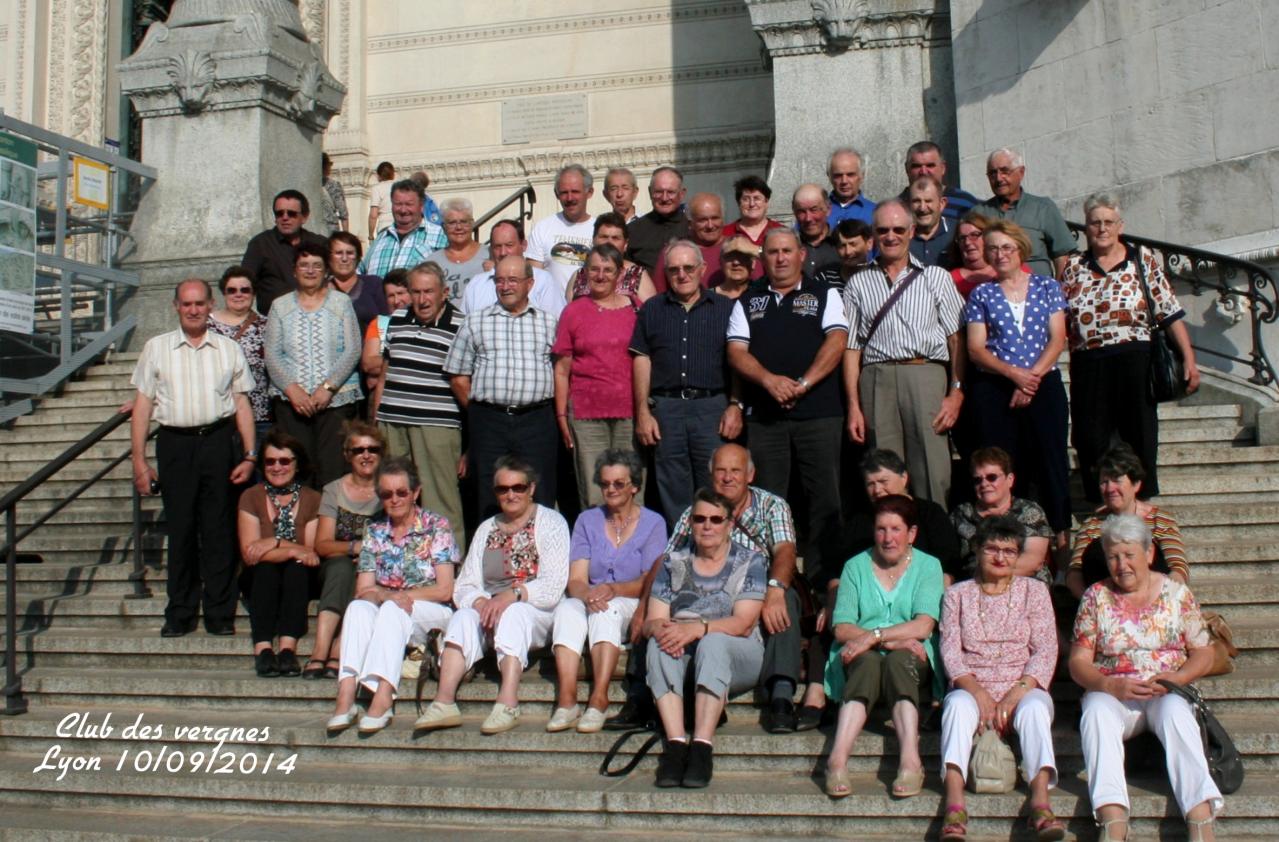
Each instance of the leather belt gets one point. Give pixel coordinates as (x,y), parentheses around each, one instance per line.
(911,361)
(522,409)
(687,394)
(206,430)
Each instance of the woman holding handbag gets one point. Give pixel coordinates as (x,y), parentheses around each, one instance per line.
(999,645)
(1108,287)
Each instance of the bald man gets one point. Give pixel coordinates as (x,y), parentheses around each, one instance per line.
(706,230)
(811,210)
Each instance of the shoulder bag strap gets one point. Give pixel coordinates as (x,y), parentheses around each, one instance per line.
(644,749)
(888,305)
(1145,291)
(245,325)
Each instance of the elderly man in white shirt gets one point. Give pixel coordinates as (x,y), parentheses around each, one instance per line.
(507,239)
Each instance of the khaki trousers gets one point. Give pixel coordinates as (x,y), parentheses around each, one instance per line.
(435,451)
(899,403)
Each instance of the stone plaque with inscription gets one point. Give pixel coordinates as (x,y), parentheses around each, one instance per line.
(560,117)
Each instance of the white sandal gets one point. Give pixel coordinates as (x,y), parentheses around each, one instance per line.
(1196,826)
(1105,836)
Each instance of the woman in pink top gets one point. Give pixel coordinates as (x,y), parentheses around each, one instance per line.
(593,369)
(999,645)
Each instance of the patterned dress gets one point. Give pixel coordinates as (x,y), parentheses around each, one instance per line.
(252,342)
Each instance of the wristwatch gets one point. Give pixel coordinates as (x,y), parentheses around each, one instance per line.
(956,385)
(879,636)
(250,456)
(739,403)
(328,387)
(773,583)
(803,381)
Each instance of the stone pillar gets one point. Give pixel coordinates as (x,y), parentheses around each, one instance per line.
(234,100)
(871,74)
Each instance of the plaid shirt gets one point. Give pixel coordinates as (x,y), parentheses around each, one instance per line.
(764,523)
(391,251)
(507,356)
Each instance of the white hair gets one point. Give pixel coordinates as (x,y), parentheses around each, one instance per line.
(1125,529)
(1014,157)
(847,150)
(457,204)
(1102,200)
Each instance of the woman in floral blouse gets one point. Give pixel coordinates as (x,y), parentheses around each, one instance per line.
(1134,629)
(1110,343)
(239,321)
(402,589)
(514,576)
(999,645)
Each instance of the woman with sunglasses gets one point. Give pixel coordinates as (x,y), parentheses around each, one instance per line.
(277,522)
(507,590)
(402,590)
(239,321)
(1016,333)
(703,610)
(993,479)
(346,506)
(886,611)
(614,546)
(312,348)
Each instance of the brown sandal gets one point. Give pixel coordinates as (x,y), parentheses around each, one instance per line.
(1045,824)
(313,672)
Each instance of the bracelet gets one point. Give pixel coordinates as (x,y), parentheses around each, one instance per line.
(277,543)
(350,548)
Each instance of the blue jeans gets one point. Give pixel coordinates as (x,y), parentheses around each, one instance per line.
(682,459)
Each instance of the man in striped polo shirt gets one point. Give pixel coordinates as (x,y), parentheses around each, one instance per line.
(412,401)
(904,367)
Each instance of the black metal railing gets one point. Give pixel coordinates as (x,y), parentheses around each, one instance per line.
(1232,280)
(526,196)
(14,701)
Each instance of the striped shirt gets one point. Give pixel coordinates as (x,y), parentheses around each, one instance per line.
(686,346)
(917,326)
(416,392)
(1164,532)
(391,251)
(506,355)
(191,385)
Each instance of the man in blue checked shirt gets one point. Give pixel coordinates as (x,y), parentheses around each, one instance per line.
(410,238)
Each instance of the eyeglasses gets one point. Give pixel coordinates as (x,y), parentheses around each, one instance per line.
(1004,249)
(975,235)
(1000,552)
(993,171)
(286,213)
(681,270)
(1104,223)
(310,267)
(714,520)
(397,493)
(282,461)
(896,229)
(614,485)
(990,478)
(239,290)
(374,449)
(457,223)
(518,488)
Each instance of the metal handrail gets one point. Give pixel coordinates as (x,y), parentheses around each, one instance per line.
(526,212)
(1201,269)
(14,701)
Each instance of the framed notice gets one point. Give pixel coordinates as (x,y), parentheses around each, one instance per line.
(90,183)
(17,234)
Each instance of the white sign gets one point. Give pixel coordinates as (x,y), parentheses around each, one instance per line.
(560,117)
(17,234)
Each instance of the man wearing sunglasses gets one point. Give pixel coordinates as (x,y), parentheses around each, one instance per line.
(904,365)
(270,254)
(195,384)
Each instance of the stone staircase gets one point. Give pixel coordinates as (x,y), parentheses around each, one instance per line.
(89,651)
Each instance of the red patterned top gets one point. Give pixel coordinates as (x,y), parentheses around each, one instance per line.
(1108,308)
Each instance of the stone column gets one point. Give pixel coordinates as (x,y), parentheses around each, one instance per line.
(234,100)
(871,74)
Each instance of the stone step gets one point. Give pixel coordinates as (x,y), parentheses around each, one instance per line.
(1227,487)
(744,802)
(30,456)
(79,409)
(64,434)
(101,381)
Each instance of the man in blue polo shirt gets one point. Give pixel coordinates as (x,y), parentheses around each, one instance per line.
(846,172)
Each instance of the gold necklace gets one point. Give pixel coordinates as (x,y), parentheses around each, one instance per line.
(620,529)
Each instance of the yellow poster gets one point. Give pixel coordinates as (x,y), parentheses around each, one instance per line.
(91,183)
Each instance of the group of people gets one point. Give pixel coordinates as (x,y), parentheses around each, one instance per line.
(348,409)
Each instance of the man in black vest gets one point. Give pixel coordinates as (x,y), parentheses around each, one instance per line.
(785,341)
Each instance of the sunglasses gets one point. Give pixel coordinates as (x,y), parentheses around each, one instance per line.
(680,270)
(282,461)
(239,290)
(286,213)
(614,485)
(374,449)
(990,478)
(518,488)
(397,493)
(715,520)
(899,230)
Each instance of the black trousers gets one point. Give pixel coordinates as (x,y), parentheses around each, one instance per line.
(278,597)
(1035,436)
(531,435)
(195,484)
(321,437)
(1110,402)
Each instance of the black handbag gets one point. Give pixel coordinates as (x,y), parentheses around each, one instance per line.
(1167,368)
(1224,763)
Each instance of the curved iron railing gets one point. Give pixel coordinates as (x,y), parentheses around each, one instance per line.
(526,196)
(14,703)
(1232,280)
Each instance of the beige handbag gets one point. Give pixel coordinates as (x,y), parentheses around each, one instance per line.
(992,767)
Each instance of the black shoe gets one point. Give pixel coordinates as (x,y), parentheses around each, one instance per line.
(265,664)
(288,663)
(630,716)
(697,773)
(809,717)
(779,717)
(219,628)
(670,766)
(173,628)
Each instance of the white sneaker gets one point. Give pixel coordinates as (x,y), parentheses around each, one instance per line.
(339,722)
(439,715)
(500,719)
(591,721)
(563,718)
(370,725)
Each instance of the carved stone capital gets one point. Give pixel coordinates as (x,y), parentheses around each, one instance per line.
(802,27)
(218,55)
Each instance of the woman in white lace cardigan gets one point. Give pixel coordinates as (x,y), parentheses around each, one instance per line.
(513,577)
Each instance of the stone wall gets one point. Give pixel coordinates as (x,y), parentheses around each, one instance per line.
(1168,102)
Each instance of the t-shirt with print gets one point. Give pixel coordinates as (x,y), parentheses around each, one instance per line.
(350,516)
(561,246)
(692,596)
